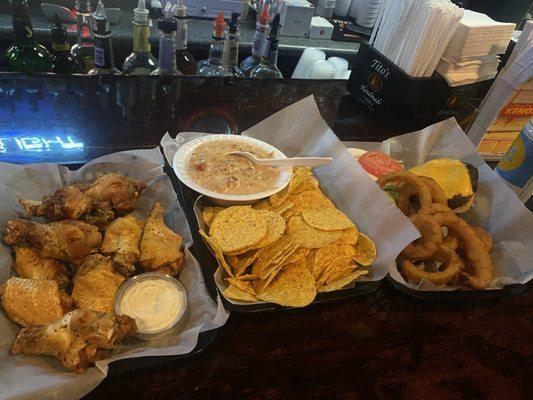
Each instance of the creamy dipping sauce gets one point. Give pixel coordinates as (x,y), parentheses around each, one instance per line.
(212,169)
(156,304)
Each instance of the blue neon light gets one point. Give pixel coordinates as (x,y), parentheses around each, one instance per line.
(39,144)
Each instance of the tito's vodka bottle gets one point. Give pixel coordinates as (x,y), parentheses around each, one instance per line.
(141,61)
(83,50)
(26,54)
(104,61)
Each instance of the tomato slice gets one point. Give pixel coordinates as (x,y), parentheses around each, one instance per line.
(379,164)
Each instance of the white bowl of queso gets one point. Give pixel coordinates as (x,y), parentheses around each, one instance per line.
(203,165)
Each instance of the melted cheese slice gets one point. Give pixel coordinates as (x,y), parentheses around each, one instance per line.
(451,175)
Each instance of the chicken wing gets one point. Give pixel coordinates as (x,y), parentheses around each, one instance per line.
(121,242)
(96,284)
(119,191)
(29,264)
(66,203)
(161,248)
(78,339)
(31,302)
(63,240)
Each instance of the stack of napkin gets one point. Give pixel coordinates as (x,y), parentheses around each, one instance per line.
(414,33)
(472,53)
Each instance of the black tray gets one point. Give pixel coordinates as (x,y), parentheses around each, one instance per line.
(122,366)
(508,290)
(208,264)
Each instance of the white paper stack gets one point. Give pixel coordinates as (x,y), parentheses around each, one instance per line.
(472,53)
(414,33)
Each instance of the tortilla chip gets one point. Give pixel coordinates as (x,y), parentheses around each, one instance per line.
(305,200)
(276,228)
(209,213)
(302,179)
(272,254)
(326,219)
(277,198)
(219,255)
(245,286)
(343,281)
(298,254)
(365,251)
(294,287)
(235,293)
(308,236)
(349,236)
(238,228)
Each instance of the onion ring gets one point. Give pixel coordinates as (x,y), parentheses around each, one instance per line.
(449,258)
(475,251)
(437,194)
(424,247)
(436,208)
(451,241)
(407,192)
(484,236)
(411,180)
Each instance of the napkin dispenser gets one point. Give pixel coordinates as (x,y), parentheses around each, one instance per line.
(401,101)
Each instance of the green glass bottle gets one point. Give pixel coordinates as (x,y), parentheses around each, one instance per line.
(26,55)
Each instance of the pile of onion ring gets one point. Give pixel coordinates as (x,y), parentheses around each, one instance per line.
(449,251)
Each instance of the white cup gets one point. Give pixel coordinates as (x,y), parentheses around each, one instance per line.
(306,62)
(341,66)
(367,12)
(323,70)
(342,7)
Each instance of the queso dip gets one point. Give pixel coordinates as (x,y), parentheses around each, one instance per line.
(211,168)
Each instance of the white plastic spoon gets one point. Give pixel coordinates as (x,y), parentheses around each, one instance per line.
(284,162)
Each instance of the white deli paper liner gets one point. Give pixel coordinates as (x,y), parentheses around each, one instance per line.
(496,207)
(299,130)
(31,377)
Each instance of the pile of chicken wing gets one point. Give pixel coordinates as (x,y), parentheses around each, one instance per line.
(70,267)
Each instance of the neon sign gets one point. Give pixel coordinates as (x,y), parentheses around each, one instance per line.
(31,144)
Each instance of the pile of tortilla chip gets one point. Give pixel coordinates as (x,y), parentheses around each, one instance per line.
(286,248)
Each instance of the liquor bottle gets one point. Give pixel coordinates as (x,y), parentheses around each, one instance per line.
(259,40)
(26,55)
(104,61)
(155,12)
(268,67)
(184,58)
(213,65)
(230,55)
(83,50)
(167,45)
(141,61)
(63,62)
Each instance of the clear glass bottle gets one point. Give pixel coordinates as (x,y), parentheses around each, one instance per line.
(141,61)
(259,43)
(26,55)
(268,67)
(230,55)
(184,58)
(213,65)
(167,46)
(63,62)
(83,50)
(104,61)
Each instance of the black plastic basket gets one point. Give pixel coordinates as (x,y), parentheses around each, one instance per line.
(208,264)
